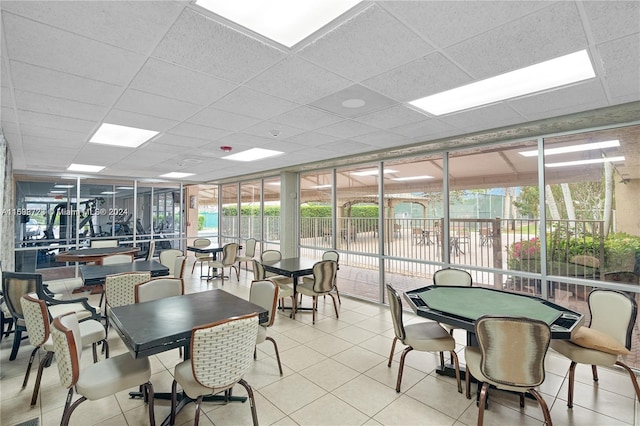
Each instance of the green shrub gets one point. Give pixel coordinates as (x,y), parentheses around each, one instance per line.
(200,223)
(622,252)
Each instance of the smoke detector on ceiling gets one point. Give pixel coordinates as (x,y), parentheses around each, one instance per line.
(226,148)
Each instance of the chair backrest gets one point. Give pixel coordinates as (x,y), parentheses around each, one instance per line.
(119,289)
(627,277)
(36,318)
(265,293)
(270,256)
(15,285)
(152,251)
(67,345)
(168,257)
(452,277)
(158,288)
(229,254)
(513,349)
(117,258)
(613,313)
(331,255)
(222,352)
(395,306)
(103,243)
(201,243)
(324,274)
(258,271)
(178,267)
(250,247)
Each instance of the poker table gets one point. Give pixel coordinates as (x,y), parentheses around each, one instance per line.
(462,306)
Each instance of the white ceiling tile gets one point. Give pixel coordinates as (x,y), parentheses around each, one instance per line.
(198,42)
(196,131)
(238,140)
(622,70)
(188,144)
(46,142)
(141,121)
(223,119)
(48,132)
(312,139)
(383,139)
(55,121)
(30,101)
(347,129)
(346,146)
(272,130)
(116,23)
(297,80)
(177,82)
(369,43)
(609,20)
(445,23)
(248,102)
(488,117)
(154,105)
(585,96)
(370,101)
(495,51)
(68,52)
(425,76)
(391,117)
(425,130)
(63,85)
(307,118)
(100,155)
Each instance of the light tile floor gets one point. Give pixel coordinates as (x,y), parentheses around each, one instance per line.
(335,373)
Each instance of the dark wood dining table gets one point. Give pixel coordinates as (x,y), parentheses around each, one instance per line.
(95,274)
(95,254)
(160,325)
(294,267)
(213,248)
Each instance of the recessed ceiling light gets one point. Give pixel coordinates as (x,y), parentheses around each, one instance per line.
(582,162)
(124,187)
(252,154)
(176,175)
(84,168)
(113,134)
(55,191)
(63,186)
(373,172)
(573,148)
(401,179)
(322,186)
(284,21)
(108,193)
(535,78)
(353,103)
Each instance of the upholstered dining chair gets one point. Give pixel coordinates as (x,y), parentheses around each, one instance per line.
(201,258)
(249,253)
(423,336)
(37,320)
(510,356)
(179,264)
(270,256)
(229,254)
(335,256)
(119,290)
(103,243)
(265,293)
(221,354)
(117,258)
(151,251)
(168,257)
(613,316)
(285,285)
(97,381)
(322,282)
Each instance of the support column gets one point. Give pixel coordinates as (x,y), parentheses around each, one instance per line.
(289,228)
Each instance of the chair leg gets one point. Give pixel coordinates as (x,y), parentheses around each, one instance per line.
(467,384)
(393,348)
(293,307)
(252,401)
(401,367)
(456,364)
(36,388)
(572,377)
(543,406)
(634,380)
(337,293)
(335,304)
(68,409)
(314,309)
(483,399)
(275,347)
(174,402)
(196,420)
(17,338)
(26,374)
(150,396)
(594,372)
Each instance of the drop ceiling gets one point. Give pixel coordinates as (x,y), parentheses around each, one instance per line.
(205,82)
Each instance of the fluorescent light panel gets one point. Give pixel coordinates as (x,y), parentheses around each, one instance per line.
(84,168)
(108,192)
(284,21)
(253,154)
(582,162)
(373,172)
(176,175)
(535,78)
(322,186)
(573,148)
(56,191)
(63,186)
(129,137)
(408,178)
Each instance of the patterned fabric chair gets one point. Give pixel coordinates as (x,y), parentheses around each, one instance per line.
(423,336)
(322,283)
(229,254)
(613,316)
(201,257)
(335,256)
(285,285)
(265,293)
(119,290)
(510,357)
(221,354)
(99,380)
(249,253)
(37,320)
